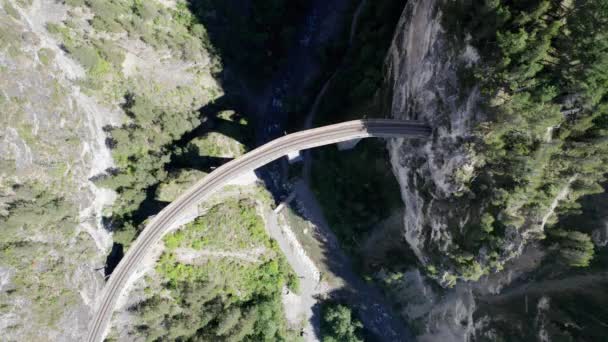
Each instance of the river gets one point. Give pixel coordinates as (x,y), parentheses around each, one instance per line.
(323,23)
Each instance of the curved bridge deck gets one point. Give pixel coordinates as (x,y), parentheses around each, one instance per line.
(157,227)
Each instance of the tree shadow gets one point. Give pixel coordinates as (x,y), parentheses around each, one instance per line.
(112,260)
(253,39)
(250,36)
(192,160)
(224,115)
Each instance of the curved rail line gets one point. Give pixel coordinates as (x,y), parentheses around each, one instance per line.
(157,227)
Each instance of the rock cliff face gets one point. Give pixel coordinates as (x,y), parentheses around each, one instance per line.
(422,68)
(488,181)
(425,68)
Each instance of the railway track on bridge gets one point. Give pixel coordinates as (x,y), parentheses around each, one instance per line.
(158,226)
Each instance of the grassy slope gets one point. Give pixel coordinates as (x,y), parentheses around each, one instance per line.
(238,298)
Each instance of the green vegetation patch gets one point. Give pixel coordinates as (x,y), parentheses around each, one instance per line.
(575,248)
(215,144)
(221,298)
(140,156)
(177,183)
(234,224)
(46,56)
(588,215)
(339,325)
(10,10)
(37,264)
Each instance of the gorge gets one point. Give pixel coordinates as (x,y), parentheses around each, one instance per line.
(493,229)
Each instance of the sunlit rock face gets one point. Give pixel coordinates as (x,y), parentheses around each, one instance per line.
(422,84)
(425,69)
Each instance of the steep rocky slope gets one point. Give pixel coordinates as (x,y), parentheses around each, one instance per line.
(517,134)
(516,93)
(423,81)
(65,75)
(52,143)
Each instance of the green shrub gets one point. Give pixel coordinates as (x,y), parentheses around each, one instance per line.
(111,53)
(86,56)
(147,10)
(338,324)
(75,3)
(177,183)
(101,24)
(46,56)
(10,10)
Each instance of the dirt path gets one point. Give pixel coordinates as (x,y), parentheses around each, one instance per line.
(298,307)
(192,256)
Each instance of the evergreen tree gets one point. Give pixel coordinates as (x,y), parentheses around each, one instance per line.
(339,326)
(575,248)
